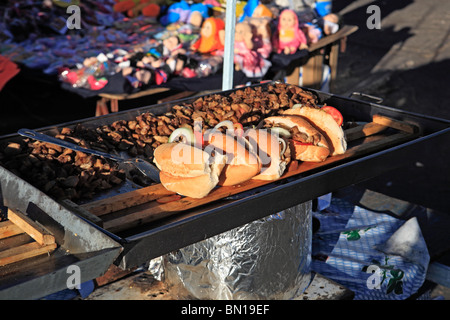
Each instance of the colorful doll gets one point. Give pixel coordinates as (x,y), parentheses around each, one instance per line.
(185,13)
(262,38)
(288,37)
(246,58)
(330,23)
(262,11)
(154,66)
(248,9)
(171,46)
(133,8)
(212,37)
(313,32)
(255,9)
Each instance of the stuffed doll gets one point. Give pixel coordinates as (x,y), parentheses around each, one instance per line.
(255,9)
(142,77)
(262,41)
(170,47)
(330,23)
(147,9)
(154,66)
(248,9)
(315,29)
(312,32)
(183,12)
(262,11)
(91,75)
(288,38)
(170,51)
(133,8)
(167,53)
(176,12)
(184,20)
(184,66)
(212,37)
(246,58)
(199,12)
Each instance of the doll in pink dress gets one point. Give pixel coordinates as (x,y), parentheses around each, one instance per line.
(262,41)
(288,37)
(246,57)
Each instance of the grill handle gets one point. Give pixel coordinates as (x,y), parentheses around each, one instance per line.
(377,100)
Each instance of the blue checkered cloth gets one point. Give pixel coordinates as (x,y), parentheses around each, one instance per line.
(362,250)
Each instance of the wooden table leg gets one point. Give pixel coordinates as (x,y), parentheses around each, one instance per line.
(333,63)
(313,71)
(114,103)
(293,78)
(102,106)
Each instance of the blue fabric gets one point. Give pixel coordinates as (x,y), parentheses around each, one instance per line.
(86,288)
(345,250)
(323,7)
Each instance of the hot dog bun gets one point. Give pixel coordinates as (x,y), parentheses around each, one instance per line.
(325,124)
(194,187)
(241,165)
(270,151)
(317,151)
(188,170)
(180,159)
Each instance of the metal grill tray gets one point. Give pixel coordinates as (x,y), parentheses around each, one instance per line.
(147,229)
(79,244)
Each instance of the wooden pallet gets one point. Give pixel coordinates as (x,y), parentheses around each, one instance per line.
(151,203)
(22,238)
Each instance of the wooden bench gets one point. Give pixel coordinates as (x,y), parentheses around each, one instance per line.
(325,51)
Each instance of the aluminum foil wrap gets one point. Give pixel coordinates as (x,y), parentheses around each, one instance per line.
(266,259)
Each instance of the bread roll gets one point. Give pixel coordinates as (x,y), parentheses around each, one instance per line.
(318,149)
(241,165)
(188,170)
(271,151)
(194,187)
(308,152)
(180,159)
(325,124)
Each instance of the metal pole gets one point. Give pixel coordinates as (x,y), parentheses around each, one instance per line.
(228,55)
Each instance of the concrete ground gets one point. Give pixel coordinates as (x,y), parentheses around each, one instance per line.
(406,62)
